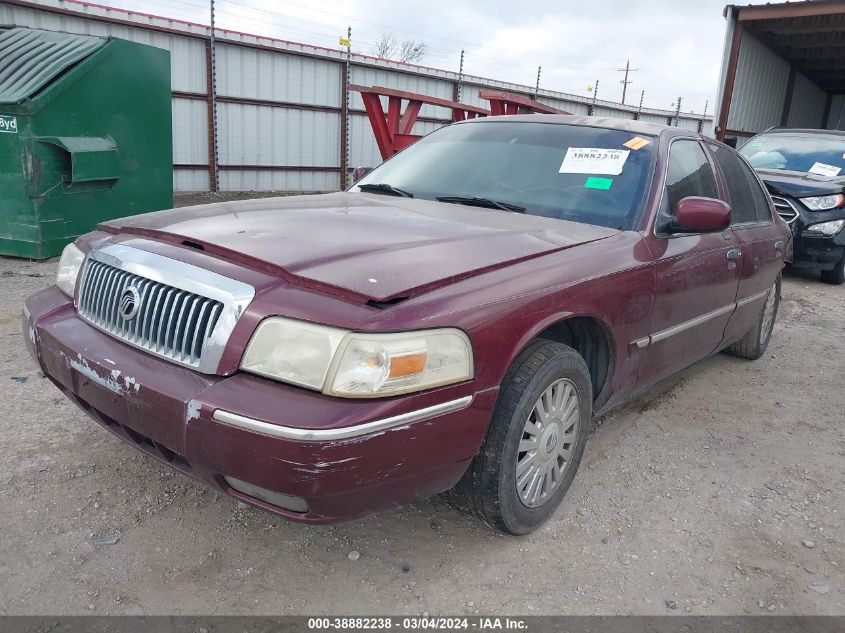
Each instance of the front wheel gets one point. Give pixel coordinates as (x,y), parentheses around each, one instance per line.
(836,276)
(753,345)
(535,441)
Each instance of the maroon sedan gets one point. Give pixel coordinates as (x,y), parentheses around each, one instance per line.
(454,320)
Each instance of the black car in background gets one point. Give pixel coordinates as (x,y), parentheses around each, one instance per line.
(804,171)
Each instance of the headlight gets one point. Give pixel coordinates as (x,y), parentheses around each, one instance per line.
(292,351)
(823,203)
(371,365)
(826,228)
(69,265)
(355,365)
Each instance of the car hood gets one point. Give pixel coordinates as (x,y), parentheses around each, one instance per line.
(373,246)
(796,184)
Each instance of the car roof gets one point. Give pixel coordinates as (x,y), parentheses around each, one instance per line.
(627,125)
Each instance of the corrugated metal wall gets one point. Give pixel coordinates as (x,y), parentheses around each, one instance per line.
(280,103)
(761,87)
(257,74)
(836,118)
(808,102)
(757,102)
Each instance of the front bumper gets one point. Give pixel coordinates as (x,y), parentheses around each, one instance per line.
(277,437)
(819,253)
(815,252)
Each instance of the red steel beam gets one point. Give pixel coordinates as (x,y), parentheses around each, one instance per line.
(502,102)
(392,129)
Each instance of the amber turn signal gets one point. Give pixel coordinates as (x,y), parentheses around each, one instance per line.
(409,365)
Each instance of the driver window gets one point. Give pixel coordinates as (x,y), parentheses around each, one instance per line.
(688,174)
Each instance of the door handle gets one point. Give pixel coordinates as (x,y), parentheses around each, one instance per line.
(779,246)
(734,253)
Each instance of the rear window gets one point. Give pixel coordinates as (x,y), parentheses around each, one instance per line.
(568,172)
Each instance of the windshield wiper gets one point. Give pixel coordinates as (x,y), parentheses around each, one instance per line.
(383,187)
(481,202)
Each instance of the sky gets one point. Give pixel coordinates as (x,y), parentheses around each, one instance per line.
(676,45)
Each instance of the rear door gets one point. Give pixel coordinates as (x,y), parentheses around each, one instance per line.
(761,242)
(697,274)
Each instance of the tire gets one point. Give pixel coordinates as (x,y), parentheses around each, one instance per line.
(836,276)
(489,487)
(753,345)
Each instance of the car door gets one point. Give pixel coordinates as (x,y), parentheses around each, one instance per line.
(761,242)
(697,275)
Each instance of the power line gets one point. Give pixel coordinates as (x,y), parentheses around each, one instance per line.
(482,63)
(437,37)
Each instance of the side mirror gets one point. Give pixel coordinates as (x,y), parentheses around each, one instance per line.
(695,214)
(360,172)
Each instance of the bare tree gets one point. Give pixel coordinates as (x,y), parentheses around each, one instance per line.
(388,47)
(412,51)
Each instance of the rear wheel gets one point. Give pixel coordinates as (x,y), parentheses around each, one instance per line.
(753,345)
(837,275)
(535,442)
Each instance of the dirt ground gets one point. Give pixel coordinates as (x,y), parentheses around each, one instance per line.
(720,494)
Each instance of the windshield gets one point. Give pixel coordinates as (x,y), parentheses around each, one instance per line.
(567,172)
(811,153)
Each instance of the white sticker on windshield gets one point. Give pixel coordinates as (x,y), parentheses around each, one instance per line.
(821,169)
(594,160)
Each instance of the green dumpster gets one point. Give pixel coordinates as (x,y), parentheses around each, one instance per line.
(85,136)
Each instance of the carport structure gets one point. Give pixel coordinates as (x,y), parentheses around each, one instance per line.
(783,65)
(392,129)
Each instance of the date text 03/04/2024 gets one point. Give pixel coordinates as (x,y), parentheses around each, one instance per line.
(418,623)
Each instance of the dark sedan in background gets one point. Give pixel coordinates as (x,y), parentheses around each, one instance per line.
(804,171)
(457,317)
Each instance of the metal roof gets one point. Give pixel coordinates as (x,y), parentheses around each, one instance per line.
(809,34)
(33,58)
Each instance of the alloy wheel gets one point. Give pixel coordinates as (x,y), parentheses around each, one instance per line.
(548,440)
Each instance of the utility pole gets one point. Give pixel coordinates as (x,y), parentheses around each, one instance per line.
(678,113)
(593,104)
(213,96)
(537,85)
(640,108)
(626,81)
(460,77)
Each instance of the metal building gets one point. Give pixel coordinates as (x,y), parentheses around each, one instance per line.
(783,65)
(281,106)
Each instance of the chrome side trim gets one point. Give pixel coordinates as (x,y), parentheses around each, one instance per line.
(686,325)
(751,299)
(642,343)
(233,297)
(326,435)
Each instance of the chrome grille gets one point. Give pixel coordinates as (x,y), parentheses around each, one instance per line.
(785,209)
(175,310)
(171,322)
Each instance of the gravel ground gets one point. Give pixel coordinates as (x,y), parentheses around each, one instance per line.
(720,493)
